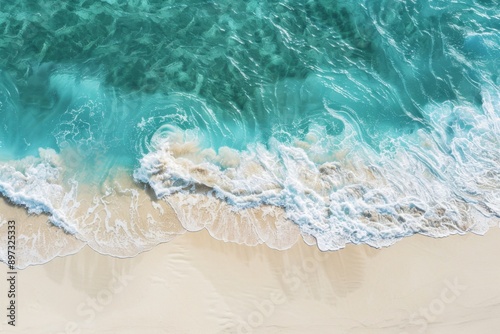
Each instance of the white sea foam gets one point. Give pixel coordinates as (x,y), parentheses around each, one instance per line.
(335,188)
(431,182)
(36,183)
(115,217)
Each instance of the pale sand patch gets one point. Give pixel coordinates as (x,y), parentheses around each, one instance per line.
(37,238)
(196,284)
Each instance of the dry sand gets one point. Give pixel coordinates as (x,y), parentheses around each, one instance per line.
(196,284)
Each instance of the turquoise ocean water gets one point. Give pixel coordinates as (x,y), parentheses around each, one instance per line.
(366,121)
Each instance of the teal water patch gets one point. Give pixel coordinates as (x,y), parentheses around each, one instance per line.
(210,86)
(392,59)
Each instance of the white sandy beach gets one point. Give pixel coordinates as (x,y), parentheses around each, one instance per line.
(196,284)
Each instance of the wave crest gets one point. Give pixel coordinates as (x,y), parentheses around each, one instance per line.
(429,181)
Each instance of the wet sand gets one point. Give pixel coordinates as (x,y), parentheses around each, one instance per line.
(196,284)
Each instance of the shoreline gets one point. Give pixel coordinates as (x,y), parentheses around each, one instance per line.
(420,283)
(247,227)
